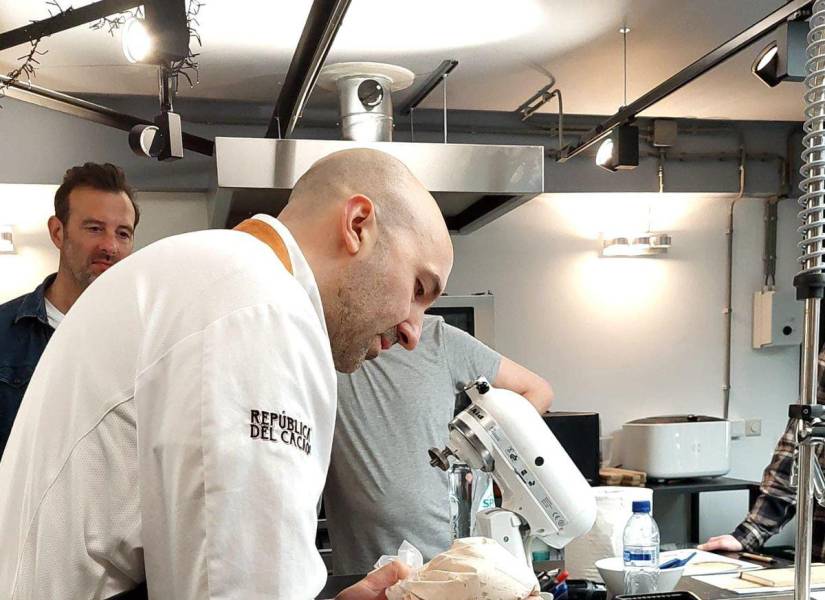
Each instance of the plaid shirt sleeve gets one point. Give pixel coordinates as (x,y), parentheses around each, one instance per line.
(776,503)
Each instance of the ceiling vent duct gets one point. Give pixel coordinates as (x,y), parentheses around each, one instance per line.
(473,184)
(365,98)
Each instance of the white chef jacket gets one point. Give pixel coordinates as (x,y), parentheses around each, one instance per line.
(178,428)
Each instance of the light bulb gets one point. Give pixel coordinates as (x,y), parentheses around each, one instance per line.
(767,57)
(604,153)
(137,43)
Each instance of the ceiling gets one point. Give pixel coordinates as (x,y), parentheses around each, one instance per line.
(506,51)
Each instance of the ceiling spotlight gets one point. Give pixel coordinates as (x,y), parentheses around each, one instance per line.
(620,150)
(783,57)
(137,43)
(161,37)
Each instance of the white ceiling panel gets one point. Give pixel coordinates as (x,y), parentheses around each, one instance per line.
(506,51)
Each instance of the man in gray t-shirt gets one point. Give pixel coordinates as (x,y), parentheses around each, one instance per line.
(380,487)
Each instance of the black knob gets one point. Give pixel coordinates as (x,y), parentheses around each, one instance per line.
(439,458)
(483,387)
(787,330)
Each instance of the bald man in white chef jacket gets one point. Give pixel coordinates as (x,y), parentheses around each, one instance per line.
(178,427)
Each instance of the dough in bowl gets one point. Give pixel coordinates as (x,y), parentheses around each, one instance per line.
(472,568)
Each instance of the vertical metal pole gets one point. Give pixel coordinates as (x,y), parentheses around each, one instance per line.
(813,220)
(444,87)
(625,31)
(804,503)
(166,88)
(804,489)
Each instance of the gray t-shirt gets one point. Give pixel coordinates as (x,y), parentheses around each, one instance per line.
(381,488)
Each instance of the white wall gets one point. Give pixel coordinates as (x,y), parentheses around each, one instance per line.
(169,213)
(28,207)
(637,337)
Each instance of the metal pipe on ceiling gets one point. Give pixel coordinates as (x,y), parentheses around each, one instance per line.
(321,27)
(686,75)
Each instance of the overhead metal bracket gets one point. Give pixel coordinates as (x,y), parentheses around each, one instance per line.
(69,18)
(322,24)
(536,101)
(89,111)
(710,60)
(444,69)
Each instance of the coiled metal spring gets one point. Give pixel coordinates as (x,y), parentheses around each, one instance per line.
(812,185)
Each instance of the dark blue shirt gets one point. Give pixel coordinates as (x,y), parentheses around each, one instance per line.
(24,333)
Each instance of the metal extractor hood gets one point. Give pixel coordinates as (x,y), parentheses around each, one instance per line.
(473,184)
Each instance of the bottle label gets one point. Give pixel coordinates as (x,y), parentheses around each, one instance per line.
(631,556)
(488,500)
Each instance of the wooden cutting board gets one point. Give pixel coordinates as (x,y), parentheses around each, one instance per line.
(783,577)
(615,476)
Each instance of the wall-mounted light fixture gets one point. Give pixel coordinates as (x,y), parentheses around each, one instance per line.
(646,244)
(6,240)
(783,57)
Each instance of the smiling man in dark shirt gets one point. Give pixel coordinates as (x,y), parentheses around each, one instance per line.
(93,227)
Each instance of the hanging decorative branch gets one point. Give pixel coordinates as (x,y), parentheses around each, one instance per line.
(57,8)
(26,68)
(188,66)
(29,61)
(114,22)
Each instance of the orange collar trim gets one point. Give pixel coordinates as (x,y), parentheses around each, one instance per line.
(268,236)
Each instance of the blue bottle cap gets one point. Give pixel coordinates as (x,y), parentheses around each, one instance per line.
(641,506)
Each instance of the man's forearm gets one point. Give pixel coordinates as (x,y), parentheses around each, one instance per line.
(512,376)
(540,396)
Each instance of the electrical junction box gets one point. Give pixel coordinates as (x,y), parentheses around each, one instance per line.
(777,319)
(664,133)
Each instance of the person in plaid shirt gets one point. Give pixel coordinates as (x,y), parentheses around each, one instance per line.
(776,503)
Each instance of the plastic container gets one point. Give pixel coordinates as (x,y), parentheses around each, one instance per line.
(641,551)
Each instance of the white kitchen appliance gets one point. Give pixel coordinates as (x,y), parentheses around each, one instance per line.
(543,494)
(677,446)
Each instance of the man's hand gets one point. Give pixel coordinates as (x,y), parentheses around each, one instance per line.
(374,586)
(726,543)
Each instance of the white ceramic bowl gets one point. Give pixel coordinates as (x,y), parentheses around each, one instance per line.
(612,572)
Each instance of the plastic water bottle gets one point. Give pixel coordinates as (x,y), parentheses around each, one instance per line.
(641,551)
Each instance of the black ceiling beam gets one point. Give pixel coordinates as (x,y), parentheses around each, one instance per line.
(476,210)
(321,27)
(71,17)
(89,111)
(685,76)
(445,68)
